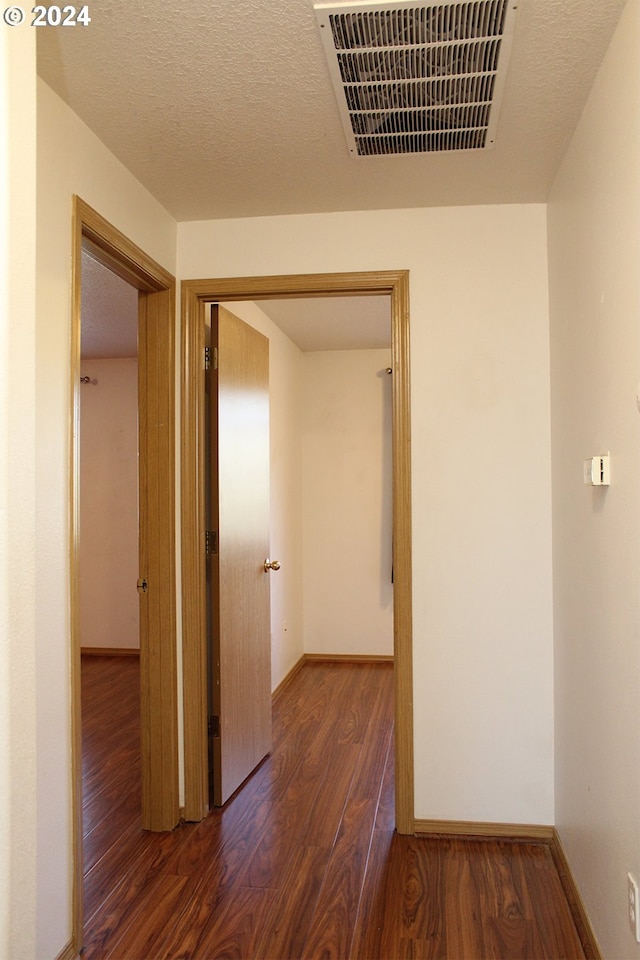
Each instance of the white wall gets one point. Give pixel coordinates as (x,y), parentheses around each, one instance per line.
(70,160)
(330,497)
(480,477)
(594,261)
(109,603)
(18,856)
(347,503)
(285,445)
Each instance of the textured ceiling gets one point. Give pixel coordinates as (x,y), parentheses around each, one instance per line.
(226,109)
(109,313)
(110,318)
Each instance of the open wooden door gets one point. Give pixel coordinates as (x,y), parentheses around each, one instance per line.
(238,548)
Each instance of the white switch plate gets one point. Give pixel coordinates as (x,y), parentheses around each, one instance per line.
(597,471)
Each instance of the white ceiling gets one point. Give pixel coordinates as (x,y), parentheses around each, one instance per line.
(226,109)
(333,323)
(109,313)
(110,318)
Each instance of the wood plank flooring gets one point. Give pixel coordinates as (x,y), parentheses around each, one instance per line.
(303,861)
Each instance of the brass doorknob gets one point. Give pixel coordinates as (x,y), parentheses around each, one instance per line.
(271,565)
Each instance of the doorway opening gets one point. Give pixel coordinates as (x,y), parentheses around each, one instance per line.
(108,547)
(196,295)
(109,619)
(330,476)
(156,523)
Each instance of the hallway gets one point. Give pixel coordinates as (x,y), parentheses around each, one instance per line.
(303,861)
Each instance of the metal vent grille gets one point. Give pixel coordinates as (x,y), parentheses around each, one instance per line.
(421,78)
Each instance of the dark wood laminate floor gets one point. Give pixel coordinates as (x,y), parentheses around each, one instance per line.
(303,862)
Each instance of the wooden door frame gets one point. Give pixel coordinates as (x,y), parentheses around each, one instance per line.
(195,295)
(156,406)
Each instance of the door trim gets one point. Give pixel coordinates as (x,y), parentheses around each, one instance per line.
(156,405)
(195,295)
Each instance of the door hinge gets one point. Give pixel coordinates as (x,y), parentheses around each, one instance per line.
(210,543)
(213,726)
(210,358)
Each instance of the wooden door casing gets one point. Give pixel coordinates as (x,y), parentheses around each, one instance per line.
(156,403)
(196,295)
(158,654)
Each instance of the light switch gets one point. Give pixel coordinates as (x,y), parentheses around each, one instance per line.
(597,471)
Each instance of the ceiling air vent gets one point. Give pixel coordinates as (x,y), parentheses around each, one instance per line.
(417,78)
